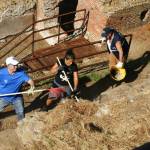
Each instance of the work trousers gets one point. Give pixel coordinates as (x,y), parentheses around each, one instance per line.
(17,104)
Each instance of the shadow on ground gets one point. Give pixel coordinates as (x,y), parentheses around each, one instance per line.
(35,104)
(134,67)
(146,146)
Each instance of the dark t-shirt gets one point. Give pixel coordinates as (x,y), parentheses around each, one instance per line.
(69,70)
(125,46)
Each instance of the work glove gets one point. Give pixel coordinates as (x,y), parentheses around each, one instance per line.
(103,39)
(76,93)
(119,65)
(31,90)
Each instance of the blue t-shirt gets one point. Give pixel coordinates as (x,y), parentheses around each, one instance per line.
(11,83)
(118,37)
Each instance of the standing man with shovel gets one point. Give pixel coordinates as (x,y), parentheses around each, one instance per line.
(11,80)
(66,79)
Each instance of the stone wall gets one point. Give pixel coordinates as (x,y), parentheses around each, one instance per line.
(121,14)
(129,17)
(11,8)
(15,15)
(97,19)
(49,10)
(19,14)
(13,25)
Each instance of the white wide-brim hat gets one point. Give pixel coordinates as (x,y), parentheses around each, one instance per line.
(12,61)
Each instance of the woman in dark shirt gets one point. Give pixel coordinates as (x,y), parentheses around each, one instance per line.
(60,86)
(117,45)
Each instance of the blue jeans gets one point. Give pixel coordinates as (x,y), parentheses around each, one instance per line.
(17,104)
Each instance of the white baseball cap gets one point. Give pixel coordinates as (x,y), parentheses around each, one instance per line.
(11,61)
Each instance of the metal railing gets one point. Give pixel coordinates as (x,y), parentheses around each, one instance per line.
(53,53)
(44,56)
(26,39)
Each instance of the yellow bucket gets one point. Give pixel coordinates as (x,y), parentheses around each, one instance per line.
(117,74)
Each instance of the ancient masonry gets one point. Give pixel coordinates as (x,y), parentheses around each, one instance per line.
(121,14)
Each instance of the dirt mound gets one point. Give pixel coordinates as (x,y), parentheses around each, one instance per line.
(118,120)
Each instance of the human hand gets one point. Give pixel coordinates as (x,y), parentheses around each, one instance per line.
(76,92)
(31,90)
(119,64)
(103,39)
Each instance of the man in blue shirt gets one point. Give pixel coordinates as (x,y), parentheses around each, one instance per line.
(11,80)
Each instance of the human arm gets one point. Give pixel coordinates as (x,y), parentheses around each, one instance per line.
(120,50)
(76,92)
(75,80)
(54,69)
(32,87)
(30,82)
